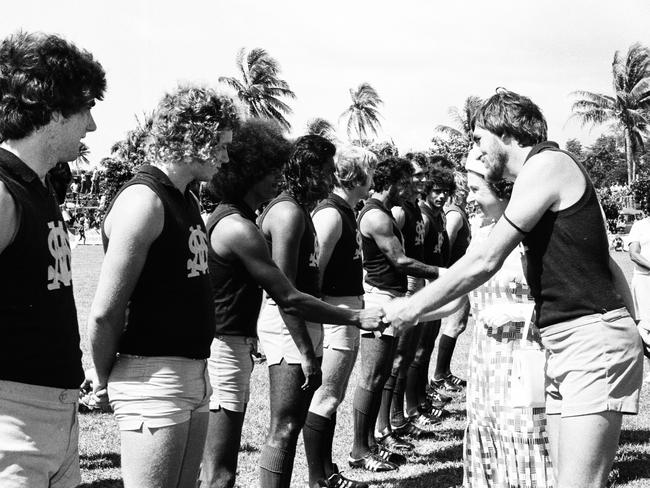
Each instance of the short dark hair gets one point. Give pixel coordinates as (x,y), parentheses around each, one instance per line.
(501,188)
(389,171)
(42,74)
(258,147)
(302,172)
(508,113)
(439,177)
(437,161)
(187,121)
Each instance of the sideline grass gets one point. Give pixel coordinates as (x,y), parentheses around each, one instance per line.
(436,464)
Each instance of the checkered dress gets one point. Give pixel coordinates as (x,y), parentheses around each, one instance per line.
(504,447)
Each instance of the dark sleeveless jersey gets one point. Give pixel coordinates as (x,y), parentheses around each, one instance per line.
(307,274)
(39,334)
(567,256)
(463,236)
(380,272)
(436,242)
(343,275)
(237,296)
(413,231)
(170,312)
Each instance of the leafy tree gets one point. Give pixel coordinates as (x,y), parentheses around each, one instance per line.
(453,147)
(574,146)
(462,121)
(363,114)
(117,172)
(260,88)
(605,162)
(627,108)
(384,149)
(641,191)
(321,127)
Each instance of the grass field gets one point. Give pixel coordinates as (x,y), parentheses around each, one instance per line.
(436,463)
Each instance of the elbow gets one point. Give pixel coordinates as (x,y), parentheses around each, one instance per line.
(290,302)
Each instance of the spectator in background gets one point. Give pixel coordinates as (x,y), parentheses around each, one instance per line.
(639,246)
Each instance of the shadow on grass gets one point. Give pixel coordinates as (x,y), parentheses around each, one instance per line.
(634,462)
(446,477)
(248,447)
(110,483)
(100,461)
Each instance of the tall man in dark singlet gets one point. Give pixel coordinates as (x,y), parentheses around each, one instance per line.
(47,89)
(240,268)
(151,322)
(581,296)
(386,268)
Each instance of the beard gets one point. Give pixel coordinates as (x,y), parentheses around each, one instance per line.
(496,165)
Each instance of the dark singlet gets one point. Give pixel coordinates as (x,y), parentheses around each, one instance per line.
(380,272)
(413,231)
(236,295)
(567,256)
(39,334)
(436,243)
(170,312)
(463,236)
(343,275)
(307,274)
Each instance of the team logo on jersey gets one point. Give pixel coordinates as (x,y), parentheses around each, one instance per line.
(419,233)
(313,257)
(438,247)
(59,246)
(357,252)
(198,244)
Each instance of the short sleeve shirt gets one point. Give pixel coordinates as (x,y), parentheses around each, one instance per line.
(640,233)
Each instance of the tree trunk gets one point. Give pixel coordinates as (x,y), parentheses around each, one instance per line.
(629,157)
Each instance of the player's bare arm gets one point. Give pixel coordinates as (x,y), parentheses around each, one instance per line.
(8,218)
(329,227)
(134,223)
(379,226)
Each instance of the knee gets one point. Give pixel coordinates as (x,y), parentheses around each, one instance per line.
(285,434)
(222,477)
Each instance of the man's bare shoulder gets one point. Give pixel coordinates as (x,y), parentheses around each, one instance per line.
(375,221)
(8,217)
(551,164)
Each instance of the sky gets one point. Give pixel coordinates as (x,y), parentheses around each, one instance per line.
(422,57)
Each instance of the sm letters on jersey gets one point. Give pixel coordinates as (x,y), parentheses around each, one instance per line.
(198,245)
(61,272)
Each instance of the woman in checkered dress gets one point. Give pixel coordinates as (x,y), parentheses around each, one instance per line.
(504,446)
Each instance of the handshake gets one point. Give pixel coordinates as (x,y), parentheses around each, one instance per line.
(393,314)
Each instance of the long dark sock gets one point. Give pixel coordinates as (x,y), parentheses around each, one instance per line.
(397,403)
(328,464)
(413,383)
(315,433)
(374,413)
(383,420)
(363,421)
(287,469)
(272,463)
(446,346)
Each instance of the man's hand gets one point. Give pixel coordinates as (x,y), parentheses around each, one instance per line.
(92,393)
(397,313)
(311,370)
(372,319)
(500,315)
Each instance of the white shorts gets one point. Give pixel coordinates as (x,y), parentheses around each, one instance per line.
(157,391)
(230,367)
(39,436)
(342,337)
(641,296)
(376,297)
(276,340)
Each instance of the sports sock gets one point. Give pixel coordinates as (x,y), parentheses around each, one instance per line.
(397,403)
(383,420)
(315,433)
(272,464)
(328,464)
(413,381)
(446,346)
(363,421)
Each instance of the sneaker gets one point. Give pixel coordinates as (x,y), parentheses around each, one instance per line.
(393,442)
(438,398)
(339,481)
(423,421)
(455,380)
(442,385)
(392,457)
(409,429)
(372,462)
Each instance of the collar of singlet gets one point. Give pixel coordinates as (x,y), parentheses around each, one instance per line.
(16,166)
(542,146)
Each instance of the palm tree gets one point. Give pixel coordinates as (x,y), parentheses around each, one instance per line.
(260,88)
(628,108)
(363,114)
(82,161)
(321,127)
(462,120)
